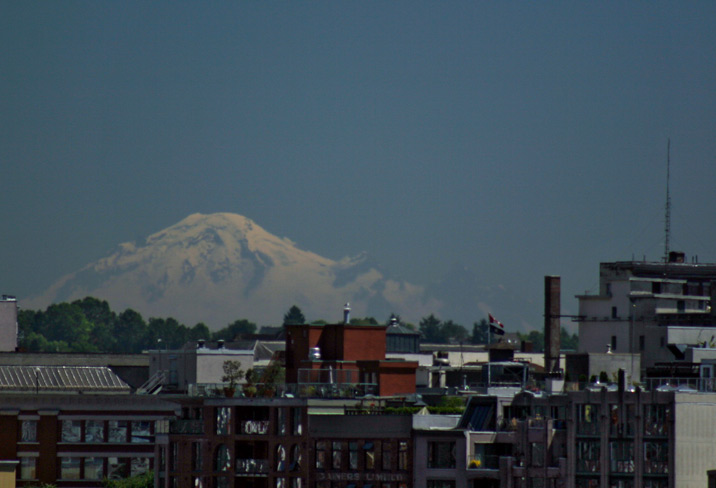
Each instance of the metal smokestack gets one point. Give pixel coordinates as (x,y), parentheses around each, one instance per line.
(552,330)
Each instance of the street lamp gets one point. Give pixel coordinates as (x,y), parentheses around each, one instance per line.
(37,380)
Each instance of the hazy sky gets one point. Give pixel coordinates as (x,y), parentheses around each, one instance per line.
(515,138)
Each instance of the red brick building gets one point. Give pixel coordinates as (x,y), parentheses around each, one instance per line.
(345,354)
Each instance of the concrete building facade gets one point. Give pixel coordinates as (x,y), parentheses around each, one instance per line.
(653,309)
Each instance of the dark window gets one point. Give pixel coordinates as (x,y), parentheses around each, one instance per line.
(641,343)
(614,343)
(337,455)
(403,455)
(441,455)
(680,306)
(656,287)
(614,312)
(321,454)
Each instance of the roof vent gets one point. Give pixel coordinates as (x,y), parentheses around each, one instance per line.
(220,343)
(200,343)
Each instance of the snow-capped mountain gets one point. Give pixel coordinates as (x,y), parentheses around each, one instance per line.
(221,267)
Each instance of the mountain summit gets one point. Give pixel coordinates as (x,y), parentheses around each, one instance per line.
(221,267)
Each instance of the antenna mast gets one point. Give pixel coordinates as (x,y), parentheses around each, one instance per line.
(667,219)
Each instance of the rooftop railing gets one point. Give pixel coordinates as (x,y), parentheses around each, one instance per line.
(680,384)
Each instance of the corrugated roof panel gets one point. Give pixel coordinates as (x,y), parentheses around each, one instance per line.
(59,378)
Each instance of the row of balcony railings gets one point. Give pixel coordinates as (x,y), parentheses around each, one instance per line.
(295,390)
(192,426)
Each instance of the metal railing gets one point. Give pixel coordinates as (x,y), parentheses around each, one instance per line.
(298,390)
(489,461)
(186,426)
(252,467)
(667,383)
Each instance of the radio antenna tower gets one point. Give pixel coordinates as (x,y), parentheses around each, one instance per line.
(667,219)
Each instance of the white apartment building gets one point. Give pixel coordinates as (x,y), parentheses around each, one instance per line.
(656,309)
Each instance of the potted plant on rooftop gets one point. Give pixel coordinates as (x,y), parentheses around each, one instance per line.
(232,374)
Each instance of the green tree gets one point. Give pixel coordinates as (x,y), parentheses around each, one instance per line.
(294,316)
(364,321)
(130,330)
(234,330)
(199,331)
(452,332)
(430,329)
(569,341)
(479,332)
(145,480)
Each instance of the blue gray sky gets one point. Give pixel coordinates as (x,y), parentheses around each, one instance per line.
(517,139)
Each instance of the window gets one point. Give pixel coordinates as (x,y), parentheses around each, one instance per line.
(614,343)
(280,458)
(588,419)
(369,455)
(353,455)
(680,306)
(403,455)
(621,457)
(537,450)
(197,459)
(641,343)
(139,466)
(28,467)
(441,455)
(655,420)
(71,431)
(173,456)
(117,468)
(321,454)
(337,455)
(28,431)
(387,456)
(94,468)
(588,456)
(94,431)
(441,484)
(296,458)
(117,431)
(70,468)
(223,419)
(281,422)
(141,431)
(222,458)
(614,312)
(297,427)
(656,457)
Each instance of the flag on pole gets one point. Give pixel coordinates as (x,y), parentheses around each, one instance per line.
(496,326)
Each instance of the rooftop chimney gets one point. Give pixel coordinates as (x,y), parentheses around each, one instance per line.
(347,314)
(552,312)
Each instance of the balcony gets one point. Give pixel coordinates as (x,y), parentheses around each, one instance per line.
(489,461)
(254,427)
(186,427)
(252,467)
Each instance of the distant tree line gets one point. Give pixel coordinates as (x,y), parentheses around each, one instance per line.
(89,325)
